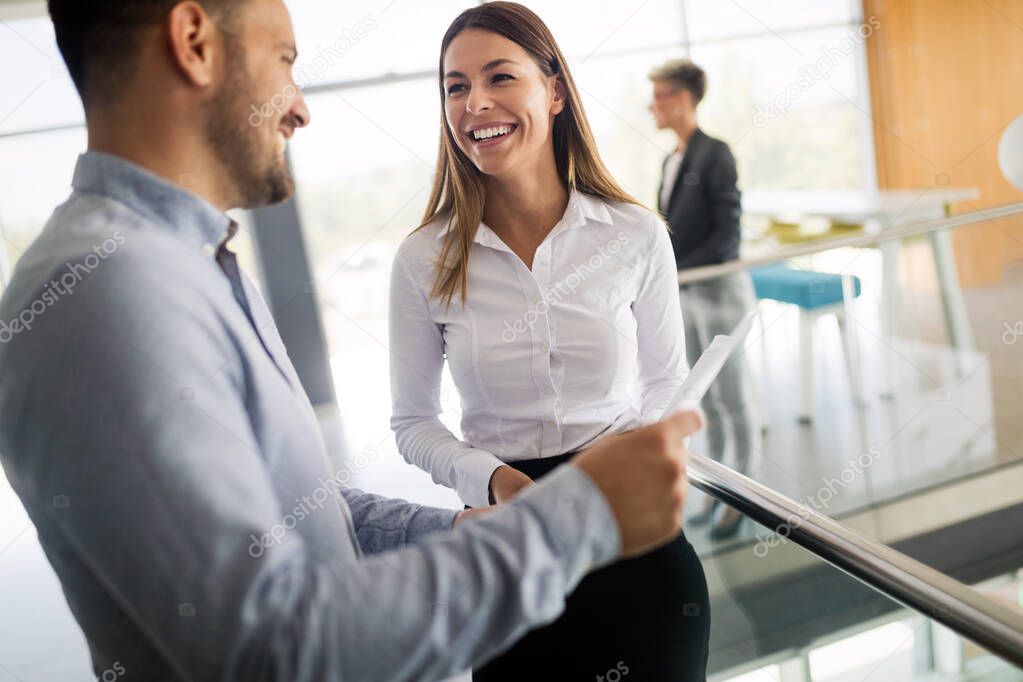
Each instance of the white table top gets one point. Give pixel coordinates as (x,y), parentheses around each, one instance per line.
(899,206)
(761,251)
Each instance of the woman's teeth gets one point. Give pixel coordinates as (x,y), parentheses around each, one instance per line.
(487,133)
(282,142)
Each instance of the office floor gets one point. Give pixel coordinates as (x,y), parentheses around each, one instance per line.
(925,434)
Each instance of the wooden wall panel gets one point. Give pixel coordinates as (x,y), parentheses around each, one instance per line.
(946,77)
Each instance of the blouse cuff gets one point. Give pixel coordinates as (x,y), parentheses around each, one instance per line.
(473,471)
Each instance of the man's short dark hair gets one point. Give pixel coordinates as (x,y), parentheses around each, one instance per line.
(684,74)
(100,40)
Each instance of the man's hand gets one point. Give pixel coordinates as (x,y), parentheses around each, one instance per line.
(642,474)
(506,482)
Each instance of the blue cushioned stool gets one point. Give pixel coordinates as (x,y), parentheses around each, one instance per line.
(815,294)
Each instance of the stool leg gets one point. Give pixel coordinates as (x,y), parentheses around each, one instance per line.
(957,321)
(758,395)
(890,311)
(850,350)
(806,320)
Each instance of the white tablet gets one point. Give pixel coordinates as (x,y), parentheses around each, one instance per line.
(706,369)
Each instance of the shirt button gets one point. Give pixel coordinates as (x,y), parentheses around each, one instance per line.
(209,249)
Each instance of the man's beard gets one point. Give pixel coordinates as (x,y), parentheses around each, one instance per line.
(258,178)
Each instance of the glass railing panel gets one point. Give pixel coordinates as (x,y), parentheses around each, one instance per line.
(904,647)
(780,613)
(912,384)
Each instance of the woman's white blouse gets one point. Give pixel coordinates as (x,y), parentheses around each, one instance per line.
(543,360)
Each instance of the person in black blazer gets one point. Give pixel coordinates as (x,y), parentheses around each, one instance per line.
(700,200)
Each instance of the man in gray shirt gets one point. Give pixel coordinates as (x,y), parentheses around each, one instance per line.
(154,427)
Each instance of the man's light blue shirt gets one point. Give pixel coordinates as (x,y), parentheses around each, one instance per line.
(160,439)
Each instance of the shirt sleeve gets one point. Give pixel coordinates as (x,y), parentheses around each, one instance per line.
(167,490)
(659,330)
(417,360)
(384,523)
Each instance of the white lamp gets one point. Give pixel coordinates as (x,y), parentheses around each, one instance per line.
(1010,153)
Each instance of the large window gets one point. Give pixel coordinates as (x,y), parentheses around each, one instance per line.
(789,106)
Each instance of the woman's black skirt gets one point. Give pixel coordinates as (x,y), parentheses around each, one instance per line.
(644,619)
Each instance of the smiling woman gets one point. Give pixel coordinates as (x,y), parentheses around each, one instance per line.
(501,70)
(549,292)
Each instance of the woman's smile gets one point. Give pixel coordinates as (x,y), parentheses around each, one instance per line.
(489,135)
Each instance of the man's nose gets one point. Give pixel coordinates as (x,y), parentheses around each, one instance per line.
(300,112)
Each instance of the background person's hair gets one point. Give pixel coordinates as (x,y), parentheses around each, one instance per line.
(99,40)
(458,190)
(684,74)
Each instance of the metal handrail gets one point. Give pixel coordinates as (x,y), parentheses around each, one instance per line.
(991,625)
(859,240)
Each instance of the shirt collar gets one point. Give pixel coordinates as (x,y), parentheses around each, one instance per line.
(581,208)
(179,210)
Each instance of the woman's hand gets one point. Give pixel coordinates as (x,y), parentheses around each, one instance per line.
(506,482)
(467,514)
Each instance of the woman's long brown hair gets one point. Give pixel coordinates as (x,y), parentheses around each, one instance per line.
(458,190)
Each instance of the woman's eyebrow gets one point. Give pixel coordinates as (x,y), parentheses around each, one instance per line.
(489,66)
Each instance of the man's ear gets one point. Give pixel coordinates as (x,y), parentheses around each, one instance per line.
(194,43)
(682,103)
(687,99)
(560,95)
